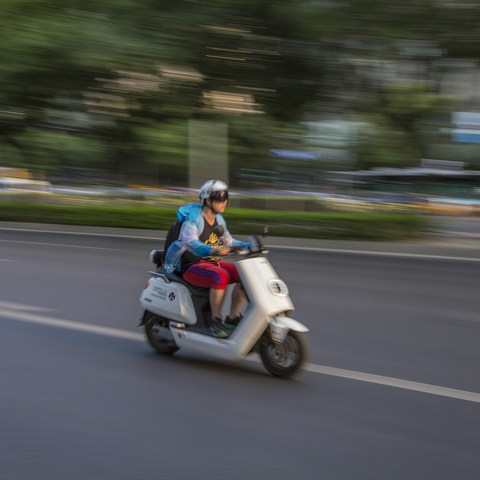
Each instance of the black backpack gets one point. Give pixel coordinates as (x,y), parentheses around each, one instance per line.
(172,235)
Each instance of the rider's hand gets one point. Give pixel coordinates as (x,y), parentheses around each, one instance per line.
(222,251)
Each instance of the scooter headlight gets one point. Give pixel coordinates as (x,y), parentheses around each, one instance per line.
(278,287)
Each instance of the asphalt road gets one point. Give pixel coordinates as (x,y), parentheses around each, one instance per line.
(391,391)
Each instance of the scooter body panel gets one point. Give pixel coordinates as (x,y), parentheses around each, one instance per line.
(265,290)
(224,348)
(170,300)
(235,347)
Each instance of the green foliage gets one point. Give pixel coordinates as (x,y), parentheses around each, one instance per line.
(405,104)
(396,113)
(47,150)
(110,85)
(165,151)
(247,222)
(383,146)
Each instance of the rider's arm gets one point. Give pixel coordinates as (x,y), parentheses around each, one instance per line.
(189,237)
(229,241)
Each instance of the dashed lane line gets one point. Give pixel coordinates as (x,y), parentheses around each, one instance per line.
(26,313)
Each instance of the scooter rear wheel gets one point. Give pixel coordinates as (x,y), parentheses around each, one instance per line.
(156,338)
(284,359)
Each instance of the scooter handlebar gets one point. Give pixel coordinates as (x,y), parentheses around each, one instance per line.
(255,247)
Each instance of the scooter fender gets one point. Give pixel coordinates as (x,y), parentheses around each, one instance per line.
(281,325)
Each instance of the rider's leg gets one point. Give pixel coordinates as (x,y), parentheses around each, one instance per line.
(206,274)
(238,293)
(216,301)
(238,299)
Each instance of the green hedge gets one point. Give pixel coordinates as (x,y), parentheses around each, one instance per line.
(240,221)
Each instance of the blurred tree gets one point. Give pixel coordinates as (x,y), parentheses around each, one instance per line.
(383,146)
(250,140)
(113,68)
(397,111)
(130,73)
(164,148)
(53,149)
(48,52)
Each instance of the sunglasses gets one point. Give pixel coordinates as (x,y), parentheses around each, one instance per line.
(219,196)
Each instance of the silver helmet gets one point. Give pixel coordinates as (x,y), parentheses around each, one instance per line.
(214,189)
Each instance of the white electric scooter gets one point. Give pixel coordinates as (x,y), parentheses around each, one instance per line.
(176,315)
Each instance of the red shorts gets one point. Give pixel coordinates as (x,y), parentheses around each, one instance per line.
(216,275)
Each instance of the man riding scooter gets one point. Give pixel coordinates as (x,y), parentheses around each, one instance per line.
(196,254)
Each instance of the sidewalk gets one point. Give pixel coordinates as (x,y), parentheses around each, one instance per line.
(443,244)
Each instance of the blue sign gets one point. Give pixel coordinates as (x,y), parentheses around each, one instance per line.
(466,127)
(294,155)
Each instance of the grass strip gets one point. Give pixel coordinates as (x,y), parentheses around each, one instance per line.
(328,225)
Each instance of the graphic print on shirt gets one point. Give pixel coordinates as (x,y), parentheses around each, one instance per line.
(208,237)
(213,242)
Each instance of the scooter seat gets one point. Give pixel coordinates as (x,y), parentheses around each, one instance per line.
(196,291)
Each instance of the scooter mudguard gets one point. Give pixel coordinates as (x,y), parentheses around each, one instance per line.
(281,325)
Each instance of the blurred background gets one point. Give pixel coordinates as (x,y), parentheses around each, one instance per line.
(354,101)
(113,112)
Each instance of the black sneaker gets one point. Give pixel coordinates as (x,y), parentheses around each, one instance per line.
(231,323)
(217,328)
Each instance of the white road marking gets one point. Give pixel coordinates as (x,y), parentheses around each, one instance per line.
(379,254)
(23,307)
(26,316)
(24,313)
(286,247)
(88,234)
(395,382)
(61,245)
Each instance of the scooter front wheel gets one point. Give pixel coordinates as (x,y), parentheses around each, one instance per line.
(285,358)
(158,335)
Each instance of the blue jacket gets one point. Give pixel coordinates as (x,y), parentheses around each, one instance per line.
(192,227)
